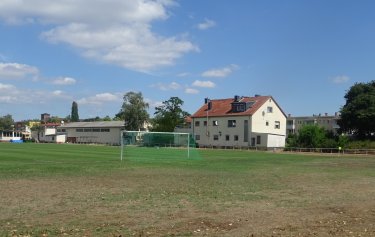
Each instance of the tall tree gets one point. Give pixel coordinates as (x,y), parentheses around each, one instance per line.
(134,111)
(358,113)
(6,122)
(74,115)
(169,115)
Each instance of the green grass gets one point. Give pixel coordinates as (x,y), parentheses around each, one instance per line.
(43,183)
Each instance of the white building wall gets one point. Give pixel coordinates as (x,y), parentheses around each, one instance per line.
(101,136)
(258,132)
(275,141)
(262,116)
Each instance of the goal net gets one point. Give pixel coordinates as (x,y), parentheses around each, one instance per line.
(141,144)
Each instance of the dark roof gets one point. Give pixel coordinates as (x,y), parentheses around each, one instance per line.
(223,107)
(100,124)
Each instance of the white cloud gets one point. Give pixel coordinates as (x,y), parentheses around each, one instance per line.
(340,79)
(167,87)
(14,95)
(206,24)
(100,99)
(17,71)
(116,32)
(220,72)
(191,91)
(64,81)
(6,87)
(206,84)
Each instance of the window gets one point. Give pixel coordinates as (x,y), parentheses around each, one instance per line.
(197,137)
(96,129)
(227,137)
(79,130)
(205,123)
(236,137)
(258,140)
(267,123)
(216,137)
(87,130)
(231,123)
(269,109)
(104,130)
(196,123)
(215,123)
(277,124)
(238,107)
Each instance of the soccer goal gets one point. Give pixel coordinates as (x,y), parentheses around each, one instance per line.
(153,144)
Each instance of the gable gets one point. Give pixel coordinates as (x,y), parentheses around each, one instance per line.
(237,106)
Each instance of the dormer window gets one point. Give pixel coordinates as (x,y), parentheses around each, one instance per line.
(238,107)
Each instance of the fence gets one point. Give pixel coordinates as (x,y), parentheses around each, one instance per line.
(331,150)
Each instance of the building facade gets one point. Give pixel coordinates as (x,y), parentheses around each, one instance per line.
(102,132)
(328,122)
(240,122)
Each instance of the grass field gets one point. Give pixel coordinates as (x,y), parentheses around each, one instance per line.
(82,190)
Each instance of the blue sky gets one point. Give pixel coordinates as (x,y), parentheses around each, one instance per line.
(306,54)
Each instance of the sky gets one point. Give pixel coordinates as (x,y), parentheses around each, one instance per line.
(304,53)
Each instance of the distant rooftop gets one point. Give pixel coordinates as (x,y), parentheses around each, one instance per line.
(99,124)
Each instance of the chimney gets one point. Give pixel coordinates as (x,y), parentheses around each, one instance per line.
(206,100)
(236,98)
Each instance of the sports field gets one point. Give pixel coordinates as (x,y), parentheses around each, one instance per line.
(83,190)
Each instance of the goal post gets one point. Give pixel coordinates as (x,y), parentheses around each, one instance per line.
(172,143)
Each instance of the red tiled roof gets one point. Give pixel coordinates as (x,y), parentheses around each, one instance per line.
(223,107)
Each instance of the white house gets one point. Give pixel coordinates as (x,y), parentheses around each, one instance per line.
(102,132)
(48,134)
(240,122)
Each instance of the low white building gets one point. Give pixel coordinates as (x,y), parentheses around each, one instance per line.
(48,134)
(240,122)
(102,132)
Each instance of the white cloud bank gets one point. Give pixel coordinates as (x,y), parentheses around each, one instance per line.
(220,72)
(115,31)
(17,71)
(100,99)
(63,81)
(206,84)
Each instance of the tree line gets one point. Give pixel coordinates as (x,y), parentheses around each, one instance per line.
(357,120)
(166,117)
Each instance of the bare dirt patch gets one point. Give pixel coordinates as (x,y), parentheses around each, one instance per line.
(157,204)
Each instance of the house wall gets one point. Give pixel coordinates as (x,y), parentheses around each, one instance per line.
(262,116)
(94,135)
(221,131)
(255,133)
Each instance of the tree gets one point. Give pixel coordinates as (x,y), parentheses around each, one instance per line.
(133,111)
(312,136)
(6,122)
(358,113)
(74,115)
(169,115)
